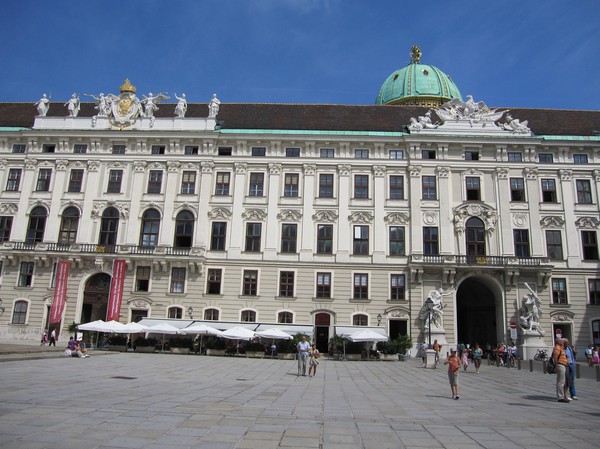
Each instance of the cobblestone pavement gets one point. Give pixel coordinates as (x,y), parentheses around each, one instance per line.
(152,401)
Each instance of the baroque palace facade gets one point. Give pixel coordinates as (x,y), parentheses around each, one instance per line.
(328,216)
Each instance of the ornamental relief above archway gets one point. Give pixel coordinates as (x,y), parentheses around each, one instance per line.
(484,212)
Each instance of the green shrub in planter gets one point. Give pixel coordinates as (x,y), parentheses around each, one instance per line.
(286,346)
(214,343)
(117,340)
(145,342)
(254,347)
(354,348)
(397,346)
(181,342)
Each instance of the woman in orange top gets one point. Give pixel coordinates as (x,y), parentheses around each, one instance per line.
(561,362)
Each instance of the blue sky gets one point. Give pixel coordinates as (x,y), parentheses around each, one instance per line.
(541,54)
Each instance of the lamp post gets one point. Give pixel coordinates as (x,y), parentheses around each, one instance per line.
(379,317)
(429,308)
(190,311)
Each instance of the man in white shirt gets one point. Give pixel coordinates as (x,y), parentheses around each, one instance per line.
(303,350)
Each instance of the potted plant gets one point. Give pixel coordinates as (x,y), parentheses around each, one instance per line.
(404,342)
(215,346)
(145,344)
(117,343)
(287,349)
(354,350)
(181,345)
(255,350)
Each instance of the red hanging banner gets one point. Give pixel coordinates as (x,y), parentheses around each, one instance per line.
(116,291)
(61,277)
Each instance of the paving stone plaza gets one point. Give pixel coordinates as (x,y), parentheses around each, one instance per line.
(158,401)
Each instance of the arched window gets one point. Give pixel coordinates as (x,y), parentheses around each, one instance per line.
(150,228)
(211,315)
(184,229)
(37,225)
(175,312)
(68,226)
(285,317)
(109,227)
(360,320)
(249,316)
(20,312)
(475,233)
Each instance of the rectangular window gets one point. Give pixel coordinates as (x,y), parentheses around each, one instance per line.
(471,155)
(5,228)
(142,279)
(327,153)
(324,239)
(259,151)
(396,154)
(155,181)
(175,313)
(19,148)
(225,151)
(546,158)
(222,186)
(190,150)
(326,185)
(43,181)
(549,191)
(397,284)
(75,180)
(115,177)
(158,149)
(14,180)
(253,237)
(290,188)
(554,244)
(594,289)
(292,152)
(26,274)
(219,233)
(257,184)
(397,241)
(517,189)
(361,286)
(80,149)
(427,154)
(430,241)
(589,241)
(188,182)
(429,188)
(286,284)
(323,285)
(473,189)
(118,149)
(515,156)
(580,159)
(361,154)
(213,283)
(584,191)
(289,234)
(361,186)
(559,291)
(177,280)
(48,148)
(250,287)
(521,238)
(396,187)
(361,240)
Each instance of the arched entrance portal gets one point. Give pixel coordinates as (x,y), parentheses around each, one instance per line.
(476,312)
(95,298)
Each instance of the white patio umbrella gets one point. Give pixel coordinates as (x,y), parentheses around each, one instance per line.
(367,335)
(162,328)
(274,334)
(238,333)
(132,328)
(200,329)
(94,326)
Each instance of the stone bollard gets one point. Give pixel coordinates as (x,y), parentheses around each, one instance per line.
(530,366)
(597,373)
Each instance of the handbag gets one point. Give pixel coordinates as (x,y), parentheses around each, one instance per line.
(550,366)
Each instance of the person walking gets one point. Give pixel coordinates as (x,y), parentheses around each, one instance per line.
(52,338)
(561,362)
(589,353)
(477,354)
(313,361)
(44,338)
(571,357)
(303,348)
(453,363)
(596,355)
(424,348)
(437,348)
(465,359)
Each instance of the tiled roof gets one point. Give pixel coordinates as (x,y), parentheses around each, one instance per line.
(324,117)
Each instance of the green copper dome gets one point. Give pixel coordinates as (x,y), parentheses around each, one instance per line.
(418,84)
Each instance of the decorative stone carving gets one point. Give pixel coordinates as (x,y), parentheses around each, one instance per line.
(150,103)
(43,104)
(344,170)
(531,312)
(275,169)
(309,169)
(173,166)
(515,126)
(325,216)
(442,172)
(436,315)
(561,316)
(587,223)
(531,173)
(552,222)
(255,214)
(93,166)
(502,173)
(520,220)
(430,218)
(62,165)
(8,209)
(213,106)
(423,122)
(207,166)
(31,164)
(73,105)
(219,213)
(565,175)
(181,107)
(140,166)
(486,213)
(394,218)
(360,217)
(379,170)
(289,215)
(240,167)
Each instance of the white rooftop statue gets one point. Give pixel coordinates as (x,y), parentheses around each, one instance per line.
(43,105)
(213,106)
(73,105)
(181,107)
(150,103)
